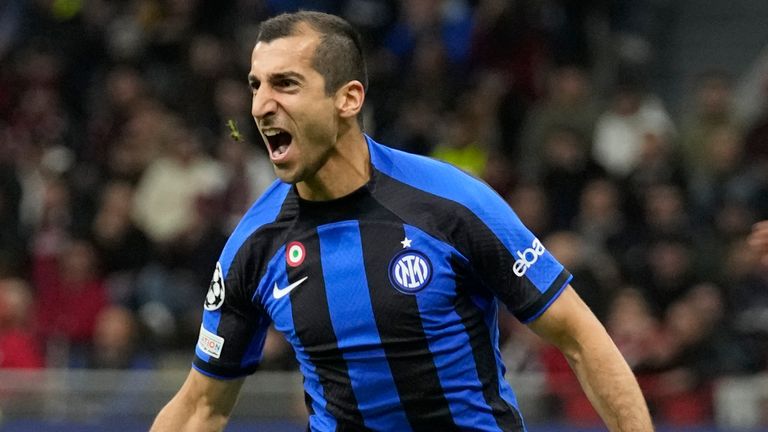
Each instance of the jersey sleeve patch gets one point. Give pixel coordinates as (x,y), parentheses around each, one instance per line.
(216,291)
(210,343)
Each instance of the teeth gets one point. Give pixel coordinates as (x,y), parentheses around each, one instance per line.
(271,132)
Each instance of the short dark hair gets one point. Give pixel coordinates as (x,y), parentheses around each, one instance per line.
(339,56)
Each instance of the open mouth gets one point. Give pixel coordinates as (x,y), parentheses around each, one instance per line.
(279,141)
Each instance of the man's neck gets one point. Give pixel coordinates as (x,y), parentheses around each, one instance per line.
(347,169)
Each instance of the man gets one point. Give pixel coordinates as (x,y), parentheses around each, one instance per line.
(381,268)
(758,240)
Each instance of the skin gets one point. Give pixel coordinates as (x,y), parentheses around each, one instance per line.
(201,404)
(758,240)
(329,158)
(601,369)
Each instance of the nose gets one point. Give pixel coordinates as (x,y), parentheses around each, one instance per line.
(263,104)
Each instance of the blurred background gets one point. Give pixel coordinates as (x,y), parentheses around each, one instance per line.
(630,135)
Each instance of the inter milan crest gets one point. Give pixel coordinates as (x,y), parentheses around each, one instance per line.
(215,297)
(410,271)
(294,254)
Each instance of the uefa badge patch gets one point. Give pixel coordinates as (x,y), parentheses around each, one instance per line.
(210,343)
(215,297)
(410,271)
(294,254)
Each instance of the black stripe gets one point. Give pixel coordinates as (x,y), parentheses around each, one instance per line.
(530,311)
(308,403)
(402,334)
(507,416)
(312,322)
(226,372)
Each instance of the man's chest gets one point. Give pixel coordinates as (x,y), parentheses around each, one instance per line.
(355,284)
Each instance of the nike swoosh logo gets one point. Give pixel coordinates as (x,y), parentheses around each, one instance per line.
(278,292)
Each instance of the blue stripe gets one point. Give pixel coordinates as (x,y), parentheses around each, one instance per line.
(448,340)
(450,183)
(355,326)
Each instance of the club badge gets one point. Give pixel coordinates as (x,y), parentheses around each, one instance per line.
(410,271)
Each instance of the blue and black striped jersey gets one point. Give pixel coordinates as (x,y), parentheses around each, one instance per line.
(387,295)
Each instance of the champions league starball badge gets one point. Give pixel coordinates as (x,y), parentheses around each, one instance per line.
(215,297)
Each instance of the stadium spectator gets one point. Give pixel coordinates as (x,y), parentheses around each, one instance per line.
(462,144)
(668,272)
(635,119)
(721,175)
(125,90)
(124,249)
(712,111)
(700,347)
(531,204)
(19,348)
(11,237)
(759,240)
(117,342)
(164,203)
(566,168)
(603,223)
(743,273)
(70,294)
(568,104)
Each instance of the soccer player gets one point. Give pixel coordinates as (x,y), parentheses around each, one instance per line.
(758,239)
(382,269)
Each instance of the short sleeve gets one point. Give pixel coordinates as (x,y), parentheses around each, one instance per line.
(233,328)
(509,259)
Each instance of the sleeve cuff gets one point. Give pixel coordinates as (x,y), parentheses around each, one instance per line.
(222,373)
(535,309)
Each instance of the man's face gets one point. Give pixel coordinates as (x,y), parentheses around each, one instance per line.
(297,120)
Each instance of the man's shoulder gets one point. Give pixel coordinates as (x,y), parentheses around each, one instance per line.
(409,167)
(264,213)
(430,175)
(273,195)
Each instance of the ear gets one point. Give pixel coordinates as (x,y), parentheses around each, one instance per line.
(349,99)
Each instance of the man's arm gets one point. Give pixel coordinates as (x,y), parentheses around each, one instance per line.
(202,404)
(604,375)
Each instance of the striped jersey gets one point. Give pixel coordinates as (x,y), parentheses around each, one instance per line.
(388,296)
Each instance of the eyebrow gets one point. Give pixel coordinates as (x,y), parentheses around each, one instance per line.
(252,80)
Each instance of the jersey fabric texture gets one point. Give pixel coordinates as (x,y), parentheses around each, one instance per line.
(387,295)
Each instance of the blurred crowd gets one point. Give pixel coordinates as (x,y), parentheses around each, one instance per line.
(120,180)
